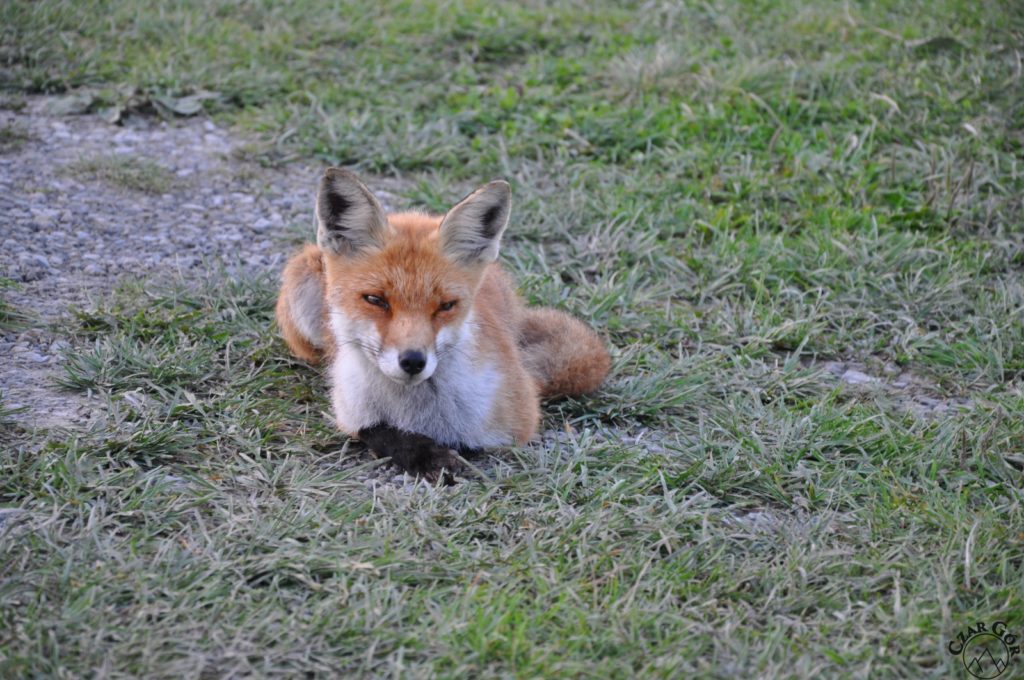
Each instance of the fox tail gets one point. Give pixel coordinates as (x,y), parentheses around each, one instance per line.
(563,354)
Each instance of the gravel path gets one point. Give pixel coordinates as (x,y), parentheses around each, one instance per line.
(68,236)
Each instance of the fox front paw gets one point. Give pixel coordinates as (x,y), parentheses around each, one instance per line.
(414,453)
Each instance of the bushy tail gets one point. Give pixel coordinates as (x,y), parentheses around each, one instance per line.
(564,356)
(301,307)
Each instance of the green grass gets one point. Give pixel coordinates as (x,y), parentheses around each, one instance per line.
(128,172)
(12,138)
(729,191)
(12,317)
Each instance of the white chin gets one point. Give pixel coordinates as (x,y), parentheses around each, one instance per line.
(407,380)
(403,378)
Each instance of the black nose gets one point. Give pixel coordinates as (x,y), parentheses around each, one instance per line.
(411,361)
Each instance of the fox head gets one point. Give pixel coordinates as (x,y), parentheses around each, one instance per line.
(400,287)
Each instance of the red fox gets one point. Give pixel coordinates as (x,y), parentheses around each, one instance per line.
(427,344)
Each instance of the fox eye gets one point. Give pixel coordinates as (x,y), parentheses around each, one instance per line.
(446,306)
(377,301)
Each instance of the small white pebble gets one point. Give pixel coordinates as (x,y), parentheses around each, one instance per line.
(857,378)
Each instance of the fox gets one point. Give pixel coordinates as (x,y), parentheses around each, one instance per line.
(428,348)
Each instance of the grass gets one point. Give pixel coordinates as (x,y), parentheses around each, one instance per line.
(12,317)
(732,192)
(12,138)
(129,172)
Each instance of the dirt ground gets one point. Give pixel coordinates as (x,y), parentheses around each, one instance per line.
(74,223)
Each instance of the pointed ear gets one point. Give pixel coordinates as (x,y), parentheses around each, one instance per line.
(470,232)
(349,218)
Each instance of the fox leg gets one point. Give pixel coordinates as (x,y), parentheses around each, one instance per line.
(416,454)
(301,306)
(563,354)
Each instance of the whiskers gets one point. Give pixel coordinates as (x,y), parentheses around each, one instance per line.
(369,348)
(462,346)
(452,350)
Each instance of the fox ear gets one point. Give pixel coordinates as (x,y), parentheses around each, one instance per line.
(471,230)
(349,218)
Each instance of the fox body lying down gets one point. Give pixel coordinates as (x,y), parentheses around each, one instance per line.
(423,333)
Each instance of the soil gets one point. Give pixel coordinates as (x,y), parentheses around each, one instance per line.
(68,238)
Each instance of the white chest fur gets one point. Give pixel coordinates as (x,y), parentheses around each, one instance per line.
(452,407)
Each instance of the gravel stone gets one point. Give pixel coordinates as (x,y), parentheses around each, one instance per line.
(68,239)
(908,390)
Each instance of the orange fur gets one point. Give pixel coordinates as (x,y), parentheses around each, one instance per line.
(535,352)
(564,356)
(306,265)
